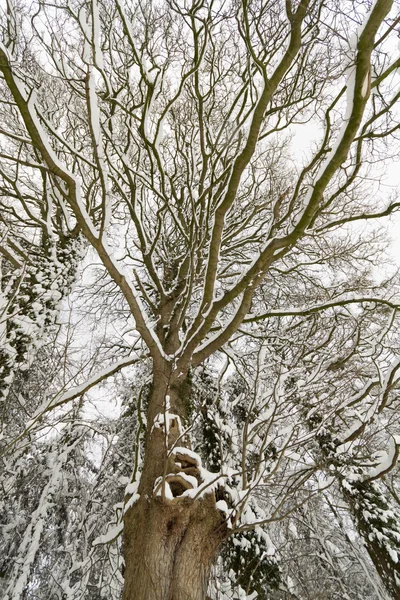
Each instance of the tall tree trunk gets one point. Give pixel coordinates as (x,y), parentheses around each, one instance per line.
(170,546)
(376,523)
(379,529)
(170,539)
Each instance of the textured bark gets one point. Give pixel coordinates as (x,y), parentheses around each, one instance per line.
(170,546)
(170,543)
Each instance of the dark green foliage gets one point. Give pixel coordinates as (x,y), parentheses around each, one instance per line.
(248,554)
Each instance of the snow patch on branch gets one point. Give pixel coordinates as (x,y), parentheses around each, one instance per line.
(166,421)
(110,536)
(195,458)
(386,459)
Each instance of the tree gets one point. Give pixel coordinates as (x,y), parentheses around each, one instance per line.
(157,135)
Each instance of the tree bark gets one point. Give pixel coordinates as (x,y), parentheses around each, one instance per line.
(170,546)
(171,539)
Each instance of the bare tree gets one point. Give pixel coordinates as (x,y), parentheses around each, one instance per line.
(158,133)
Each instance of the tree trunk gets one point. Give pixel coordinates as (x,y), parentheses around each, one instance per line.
(375,521)
(170,539)
(170,546)
(379,530)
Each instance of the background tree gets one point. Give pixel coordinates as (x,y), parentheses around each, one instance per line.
(159,135)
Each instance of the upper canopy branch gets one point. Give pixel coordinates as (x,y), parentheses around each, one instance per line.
(357,99)
(27,108)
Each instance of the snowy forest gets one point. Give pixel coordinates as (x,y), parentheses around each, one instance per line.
(199,300)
